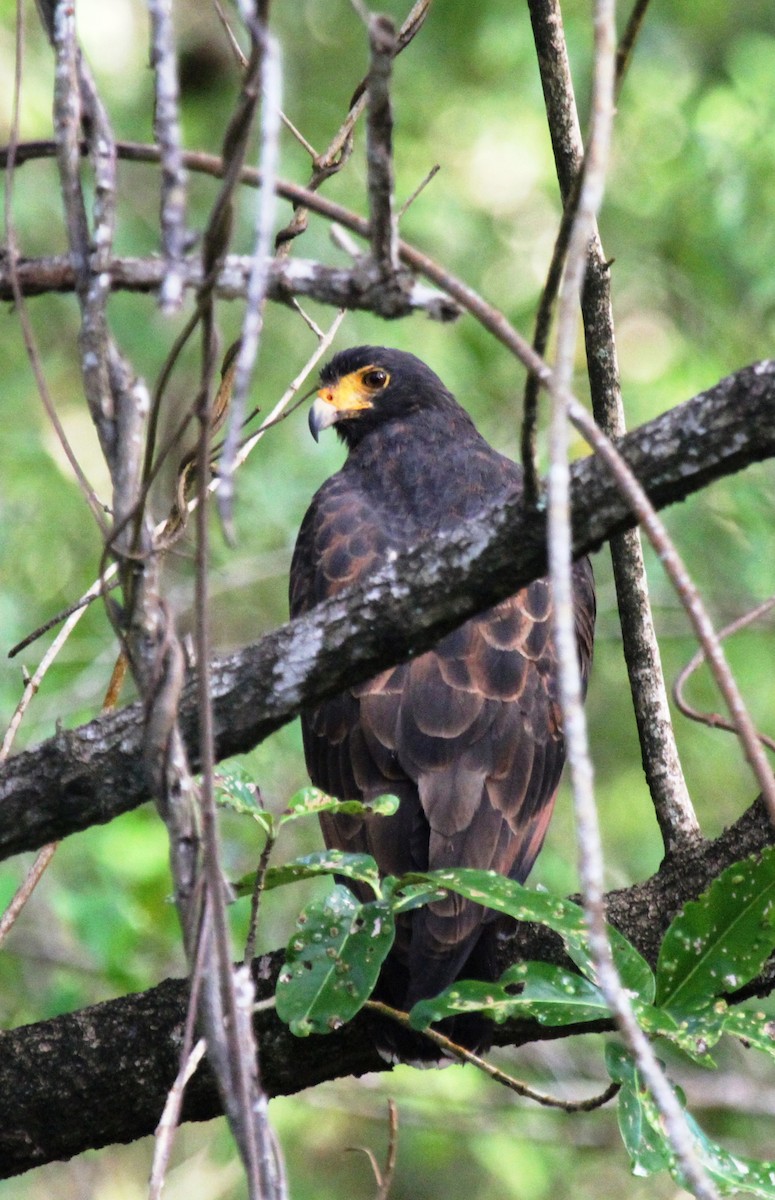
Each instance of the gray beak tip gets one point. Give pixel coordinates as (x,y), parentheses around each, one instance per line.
(321,416)
(313,425)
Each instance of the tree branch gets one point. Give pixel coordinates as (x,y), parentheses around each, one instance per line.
(102,1075)
(360,286)
(92,774)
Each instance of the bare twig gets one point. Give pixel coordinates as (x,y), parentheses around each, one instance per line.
(715,720)
(421,186)
(189,1056)
(253,320)
(675,813)
(689,595)
(12,260)
(379,146)
(168,1122)
(383,1179)
(33,683)
(392,1153)
(341,287)
(337,153)
(168,137)
(589,843)
(234,45)
(495,1073)
(628,40)
(25,890)
(108,579)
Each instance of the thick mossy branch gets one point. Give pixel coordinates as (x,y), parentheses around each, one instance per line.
(101,1075)
(94,773)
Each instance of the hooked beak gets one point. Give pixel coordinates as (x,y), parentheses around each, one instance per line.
(338,402)
(322,414)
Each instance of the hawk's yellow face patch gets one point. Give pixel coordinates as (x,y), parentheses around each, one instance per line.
(349,395)
(355,391)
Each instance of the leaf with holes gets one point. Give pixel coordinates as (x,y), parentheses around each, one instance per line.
(310,801)
(694,1032)
(642,1130)
(754,1029)
(359,867)
(531,991)
(722,940)
(648,1149)
(732,1173)
(567,919)
(333,961)
(235,789)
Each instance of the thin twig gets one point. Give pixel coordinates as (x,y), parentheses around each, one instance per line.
(33,683)
(12,257)
(255,900)
(392,1152)
(690,598)
(166,127)
(383,1179)
(188,1061)
(662,767)
(421,186)
(379,144)
(26,888)
(253,320)
(590,856)
(168,1122)
(715,720)
(234,45)
(307,319)
(628,40)
(495,1073)
(300,138)
(108,579)
(338,151)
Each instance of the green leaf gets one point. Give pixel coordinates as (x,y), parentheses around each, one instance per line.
(647,1148)
(753,1028)
(360,867)
(731,1172)
(692,1032)
(237,791)
(333,961)
(722,940)
(404,898)
(310,801)
(548,994)
(567,919)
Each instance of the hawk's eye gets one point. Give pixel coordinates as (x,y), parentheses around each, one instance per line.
(375,378)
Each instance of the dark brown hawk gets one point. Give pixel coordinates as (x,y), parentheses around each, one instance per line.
(468,734)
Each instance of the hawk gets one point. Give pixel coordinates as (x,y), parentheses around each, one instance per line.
(467,735)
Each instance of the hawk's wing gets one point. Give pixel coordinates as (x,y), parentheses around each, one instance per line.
(467,735)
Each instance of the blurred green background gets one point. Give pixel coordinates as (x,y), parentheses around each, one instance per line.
(689,223)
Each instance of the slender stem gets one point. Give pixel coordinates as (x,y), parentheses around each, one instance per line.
(661,763)
(253,320)
(589,842)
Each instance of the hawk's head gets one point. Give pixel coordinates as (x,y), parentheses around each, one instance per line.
(367,386)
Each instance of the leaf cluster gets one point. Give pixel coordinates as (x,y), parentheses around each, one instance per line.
(714,947)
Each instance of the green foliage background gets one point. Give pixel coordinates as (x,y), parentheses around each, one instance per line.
(689,223)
